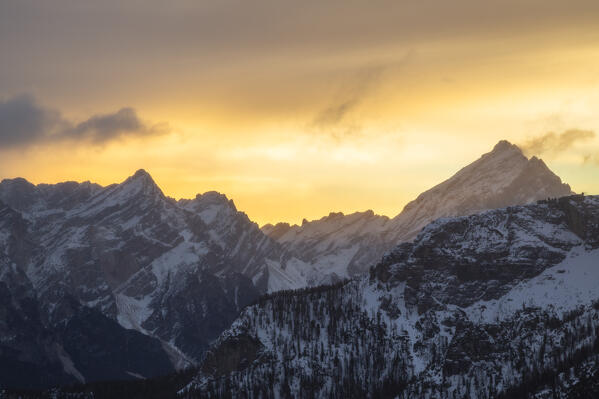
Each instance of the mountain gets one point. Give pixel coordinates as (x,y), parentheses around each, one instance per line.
(85,345)
(134,263)
(100,278)
(503,303)
(340,246)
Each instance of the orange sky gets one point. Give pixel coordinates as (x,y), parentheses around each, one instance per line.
(294,111)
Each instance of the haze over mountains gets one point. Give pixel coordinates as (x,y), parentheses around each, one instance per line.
(83,262)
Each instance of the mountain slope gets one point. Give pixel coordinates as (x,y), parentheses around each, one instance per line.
(474,307)
(179,271)
(340,245)
(85,346)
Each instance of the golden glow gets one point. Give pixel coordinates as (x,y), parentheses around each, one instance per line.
(301,131)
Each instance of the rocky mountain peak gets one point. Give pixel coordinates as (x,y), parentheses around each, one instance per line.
(351,243)
(275,231)
(504,146)
(210,205)
(497,179)
(140,183)
(487,297)
(215,198)
(142,176)
(18,193)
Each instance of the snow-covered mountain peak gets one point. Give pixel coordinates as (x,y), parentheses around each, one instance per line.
(349,244)
(141,182)
(213,198)
(471,308)
(211,206)
(500,178)
(138,191)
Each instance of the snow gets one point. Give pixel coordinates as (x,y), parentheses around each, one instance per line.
(185,254)
(132,374)
(328,242)
(67,364)
(563,287)
(209,214)
(131,312)
(292,277)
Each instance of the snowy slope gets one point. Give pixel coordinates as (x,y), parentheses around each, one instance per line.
(345,245)
(472,308)
(36,353)
(179,271)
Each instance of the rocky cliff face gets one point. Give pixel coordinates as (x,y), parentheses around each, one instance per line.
(337,245)
(85,346)
(478,306)
(340,245)
(179,272)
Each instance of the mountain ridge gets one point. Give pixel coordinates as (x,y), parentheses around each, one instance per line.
(181,271)
(176,272)
(499,178)
(475,306)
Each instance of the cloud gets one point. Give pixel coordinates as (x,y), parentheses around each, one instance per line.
(338,117)
(588,159)
(334,114)
(553,143)
(24,122)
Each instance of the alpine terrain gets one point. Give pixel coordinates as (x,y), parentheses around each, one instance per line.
(340,246)
(503,303)
(121,281)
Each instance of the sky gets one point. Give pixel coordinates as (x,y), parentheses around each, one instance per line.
(295,109)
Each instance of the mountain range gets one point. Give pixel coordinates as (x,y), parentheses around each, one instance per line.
(503,303)
(346,245)
(123,282)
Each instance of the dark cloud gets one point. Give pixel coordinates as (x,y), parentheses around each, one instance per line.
(102,128)
(24,122)
(554,143)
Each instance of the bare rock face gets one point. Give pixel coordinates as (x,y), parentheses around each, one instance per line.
(490,305)
(85,346)
(340,246)
(459,261)
(176,272)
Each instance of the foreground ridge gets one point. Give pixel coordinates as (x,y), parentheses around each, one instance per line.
(498,303)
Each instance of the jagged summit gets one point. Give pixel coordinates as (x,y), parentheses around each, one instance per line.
(179,271)
(139,183)
(24,196)
(18,193)
(141,176)
(500,178)
(504,145)
(141,173)
(214,197)
(467,310)
(209,205)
